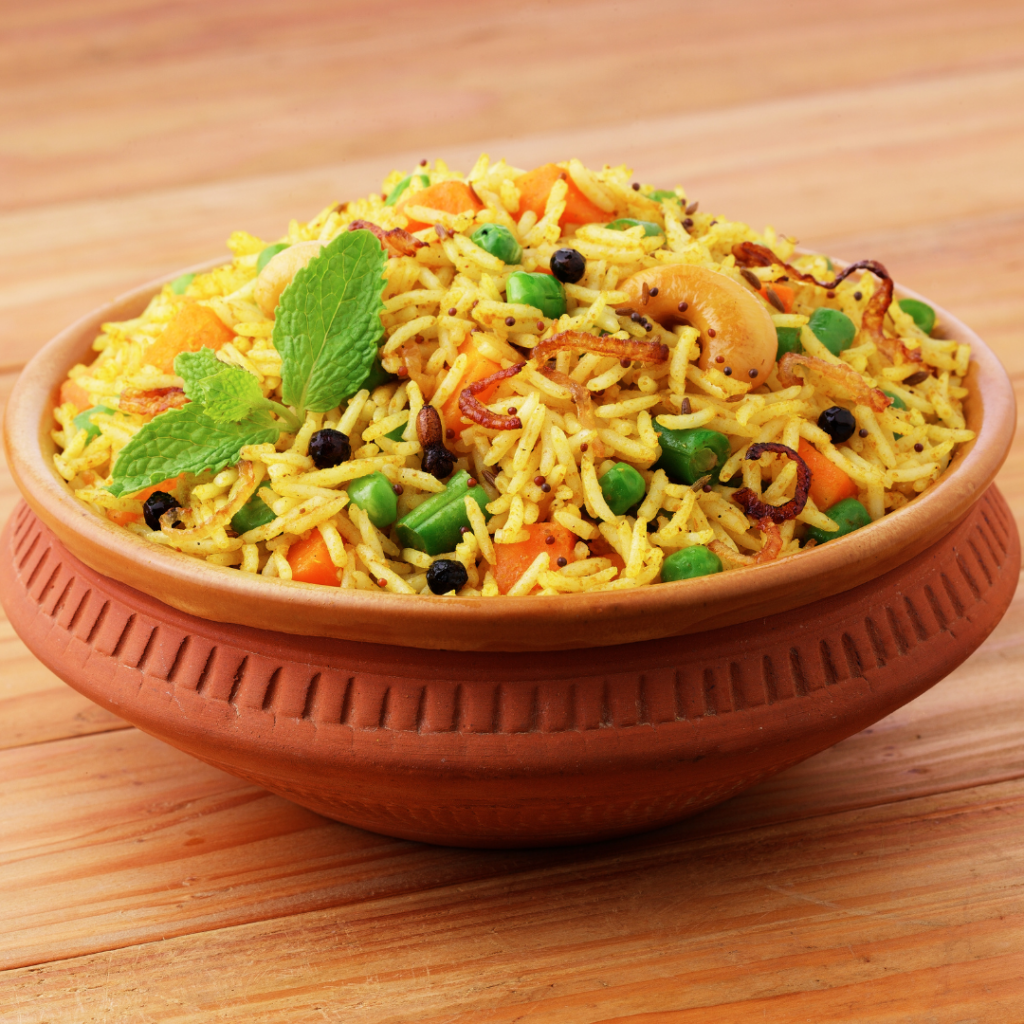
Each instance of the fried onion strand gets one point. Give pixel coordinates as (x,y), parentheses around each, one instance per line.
(471,408)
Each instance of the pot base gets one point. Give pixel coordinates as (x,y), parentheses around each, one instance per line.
(513,749)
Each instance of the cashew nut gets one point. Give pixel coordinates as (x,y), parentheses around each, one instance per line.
(737,333)
(279,272)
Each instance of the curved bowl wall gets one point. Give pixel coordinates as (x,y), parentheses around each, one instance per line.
(525,749)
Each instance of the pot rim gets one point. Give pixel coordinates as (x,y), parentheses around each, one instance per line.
(500,623)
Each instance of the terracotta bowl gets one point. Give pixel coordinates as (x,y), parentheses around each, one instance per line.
(603,715)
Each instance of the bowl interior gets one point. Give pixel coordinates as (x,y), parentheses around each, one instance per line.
(501,623)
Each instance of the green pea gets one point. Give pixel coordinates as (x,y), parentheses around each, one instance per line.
(435,525)
(789,340)
(688,455)
(622,487)
(687,563)
(650,228)
(268,254)
(375,496)
(833,329)
(920,312)
(377,375)
(542,291)
(659,195)
(396,193)
(897,403)
(498,241)
(84,421)
(849,514)
(255,512)
(180,284)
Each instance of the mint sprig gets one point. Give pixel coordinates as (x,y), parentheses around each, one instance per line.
(185,440)
(327,330)
(328,323)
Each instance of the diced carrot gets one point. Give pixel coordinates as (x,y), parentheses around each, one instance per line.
(311,561)
(122,518)
(479,366)
(829,484)
(193,327)
(446,196)
(515,559)
(167,486)
(75,394)
(535,187)
(600,548)
(784,292)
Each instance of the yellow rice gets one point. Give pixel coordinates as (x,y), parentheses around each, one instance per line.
(452,273)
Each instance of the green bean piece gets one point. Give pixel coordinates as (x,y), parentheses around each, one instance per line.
(376,497)
(83,421)
(396,434)
(267,254)
(920,312)
(180,284)
(542,291)
(377,375)
(650,228)
(789,340)
(498,241)
(849,514)
(396,193)
(688,455)
(255,512)
(687,563)
(659,195)
(434,526)
(835,330)
(622,487)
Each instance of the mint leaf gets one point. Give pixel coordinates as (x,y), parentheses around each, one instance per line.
(328,323)
(194,367)
(227,393)
(185,440)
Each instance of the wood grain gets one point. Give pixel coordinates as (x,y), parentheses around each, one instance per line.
(878,882)
(750,920)
(49,275)
(141,96)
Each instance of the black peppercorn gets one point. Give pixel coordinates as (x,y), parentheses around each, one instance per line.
(156,505)
(568,265)
(838,423)
(329,448)
(446,574)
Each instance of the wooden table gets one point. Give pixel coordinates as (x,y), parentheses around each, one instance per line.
(882,881)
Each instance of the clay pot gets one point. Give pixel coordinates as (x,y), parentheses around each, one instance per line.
(604,715)
(491,624)
(522,749)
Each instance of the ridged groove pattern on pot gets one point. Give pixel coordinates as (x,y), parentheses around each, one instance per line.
(514,749)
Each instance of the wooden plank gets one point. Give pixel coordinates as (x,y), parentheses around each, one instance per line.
(144,842)
(809,181)
(124,97)
(36,706)
(915,907)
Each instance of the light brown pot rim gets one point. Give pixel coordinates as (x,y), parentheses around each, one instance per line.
(501,623)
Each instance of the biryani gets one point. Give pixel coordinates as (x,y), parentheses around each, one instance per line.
(512,382)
